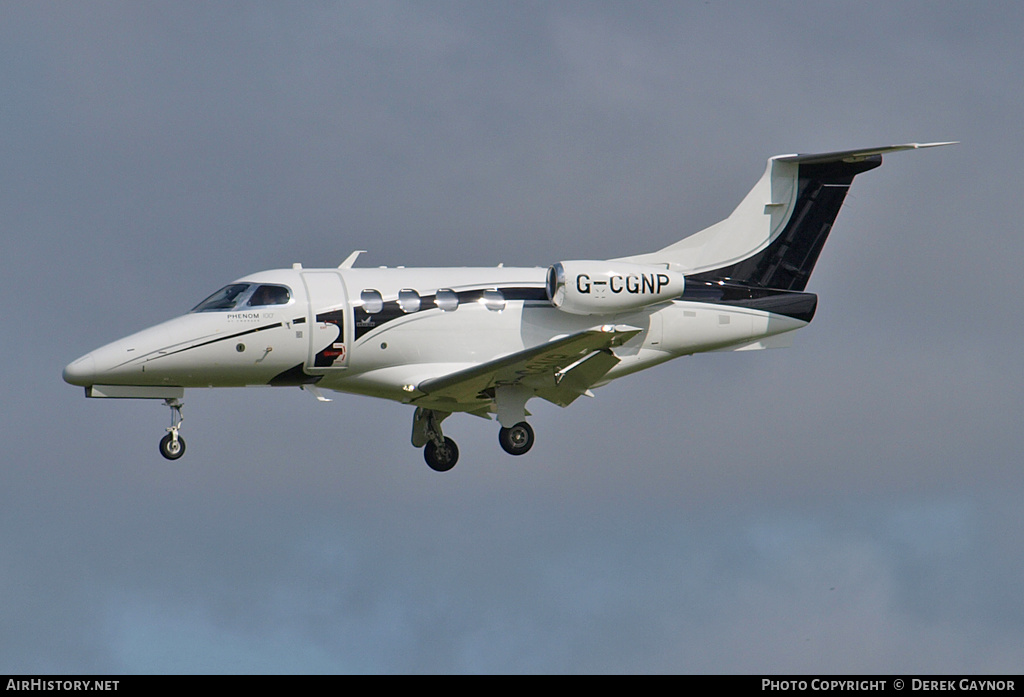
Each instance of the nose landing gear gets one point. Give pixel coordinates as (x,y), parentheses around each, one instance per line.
(172,446)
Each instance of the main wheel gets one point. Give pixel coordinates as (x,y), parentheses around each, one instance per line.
(170,448)
(441,459)
(516,440)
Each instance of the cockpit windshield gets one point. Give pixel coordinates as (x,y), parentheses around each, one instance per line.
(244,294)
(224,299)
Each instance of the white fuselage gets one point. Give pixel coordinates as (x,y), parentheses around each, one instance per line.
(325,334)
(486,340)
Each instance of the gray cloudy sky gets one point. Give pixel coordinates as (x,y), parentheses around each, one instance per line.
(851,504)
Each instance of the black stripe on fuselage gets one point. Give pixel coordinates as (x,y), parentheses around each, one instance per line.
(211,341)
(366,322)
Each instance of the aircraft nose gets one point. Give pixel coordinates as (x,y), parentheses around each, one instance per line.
(81,372)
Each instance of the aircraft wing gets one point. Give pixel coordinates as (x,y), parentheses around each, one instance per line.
(559,371)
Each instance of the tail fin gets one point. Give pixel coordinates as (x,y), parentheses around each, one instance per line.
(774,237)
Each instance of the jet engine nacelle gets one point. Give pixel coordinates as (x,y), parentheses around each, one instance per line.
(605,287)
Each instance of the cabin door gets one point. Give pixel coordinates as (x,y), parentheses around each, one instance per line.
(327,320)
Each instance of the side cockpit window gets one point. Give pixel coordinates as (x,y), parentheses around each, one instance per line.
(269,295)
(224,299)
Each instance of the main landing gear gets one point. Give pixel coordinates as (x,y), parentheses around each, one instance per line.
(516,440)
(443,457)
(172,446)
(441,452)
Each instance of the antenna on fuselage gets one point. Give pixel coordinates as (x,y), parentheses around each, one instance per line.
(351,259)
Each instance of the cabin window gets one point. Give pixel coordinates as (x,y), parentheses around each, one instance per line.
(493,300)
(269,295)
(447,300)
(409,300)
(372,301)
(224,299)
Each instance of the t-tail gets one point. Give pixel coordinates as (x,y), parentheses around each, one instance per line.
(774,237)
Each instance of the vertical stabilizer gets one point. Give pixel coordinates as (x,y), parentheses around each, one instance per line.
(775,235)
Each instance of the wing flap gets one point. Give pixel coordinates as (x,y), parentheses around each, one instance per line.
(578,379)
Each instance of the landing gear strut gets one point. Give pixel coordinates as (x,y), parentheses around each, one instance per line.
(172,446)
(439,451)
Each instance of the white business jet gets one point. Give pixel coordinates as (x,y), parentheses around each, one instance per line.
(487,340)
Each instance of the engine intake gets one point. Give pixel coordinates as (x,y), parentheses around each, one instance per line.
(606,287)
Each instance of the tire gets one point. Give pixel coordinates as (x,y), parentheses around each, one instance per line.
(441,459)
(170,449)
(516,440)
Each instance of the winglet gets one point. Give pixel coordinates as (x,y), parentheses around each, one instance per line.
(351,259)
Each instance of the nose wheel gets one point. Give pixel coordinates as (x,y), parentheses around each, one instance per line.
(172,446)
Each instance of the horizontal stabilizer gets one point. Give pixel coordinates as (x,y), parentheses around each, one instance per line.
(856,155)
